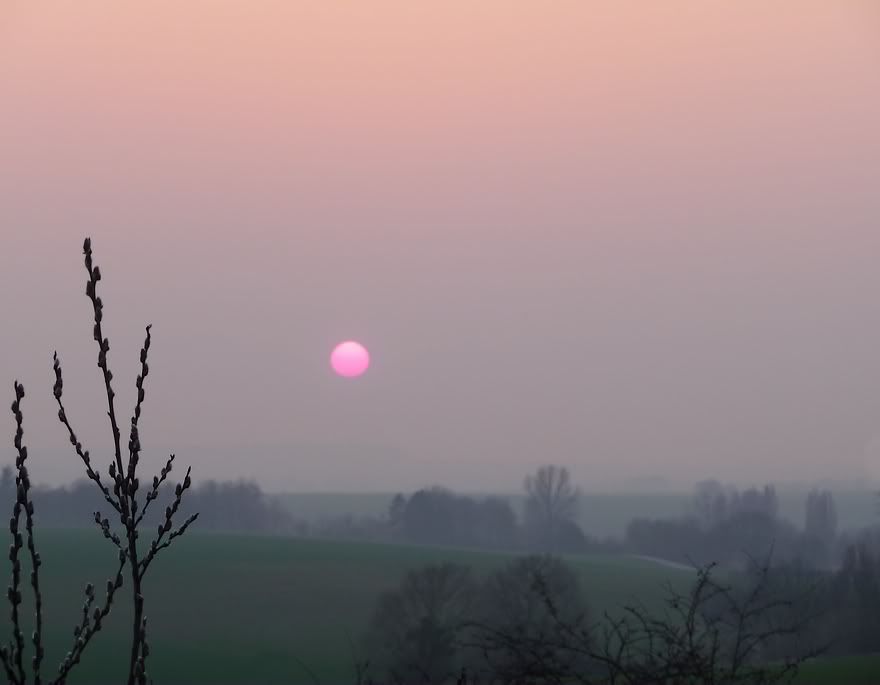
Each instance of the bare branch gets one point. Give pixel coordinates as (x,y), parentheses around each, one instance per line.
(103,347)
(153,493)
(91,622)
(710,634)
(156,547)
(134,441)
(22,483)
(77,446)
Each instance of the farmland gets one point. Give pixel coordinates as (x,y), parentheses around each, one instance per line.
(235,609)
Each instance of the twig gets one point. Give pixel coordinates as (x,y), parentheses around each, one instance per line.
(90,624)
(153,493)
(77,446)
(22,484)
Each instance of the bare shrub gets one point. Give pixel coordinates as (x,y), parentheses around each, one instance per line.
(120,493)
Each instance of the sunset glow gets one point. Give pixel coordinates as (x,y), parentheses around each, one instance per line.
(350,359)
(589,216)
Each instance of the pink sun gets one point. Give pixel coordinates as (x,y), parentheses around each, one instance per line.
(350,359)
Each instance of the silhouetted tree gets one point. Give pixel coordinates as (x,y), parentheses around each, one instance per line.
(856,601)
(416,630)
(710,504)
(431,516)
(397,512)
(440,517)
(714,633)
(515,629)
(551,501)
(755,501)
(821,515)
(723,524)
(494,524)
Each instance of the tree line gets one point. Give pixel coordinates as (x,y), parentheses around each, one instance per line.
(230,506)
(438,516)
(723,524)
(720,525)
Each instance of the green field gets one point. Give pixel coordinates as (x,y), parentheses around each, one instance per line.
(600,514)
(853,670)
(232,609)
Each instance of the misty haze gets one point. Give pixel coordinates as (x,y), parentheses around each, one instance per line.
(493,342)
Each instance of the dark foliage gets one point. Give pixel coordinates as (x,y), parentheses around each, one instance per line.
(515,628)
(853,598)
(416,631)
(530,625)
(439,517)
(726,526)
(819,542)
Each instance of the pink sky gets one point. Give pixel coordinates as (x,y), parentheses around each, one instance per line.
(635,238)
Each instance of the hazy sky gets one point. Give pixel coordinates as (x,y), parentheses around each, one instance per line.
(636,238)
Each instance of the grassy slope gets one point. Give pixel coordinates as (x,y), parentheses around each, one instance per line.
(228,609)
(854,670)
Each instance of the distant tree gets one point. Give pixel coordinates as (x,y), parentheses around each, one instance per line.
(431,516)
(820,529)
(755,501)
(396,511)
(821,515)
(551,501)
(721,526)
(440,517)
(710,504)
(495,524)
(237,506)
